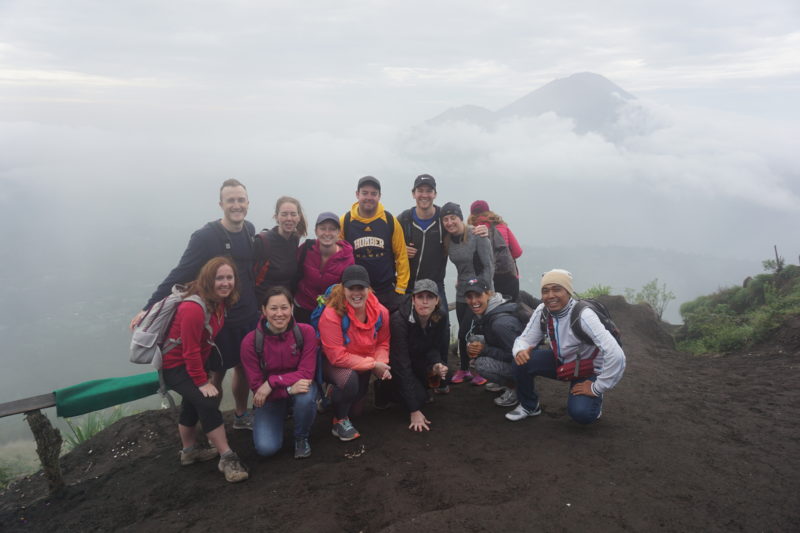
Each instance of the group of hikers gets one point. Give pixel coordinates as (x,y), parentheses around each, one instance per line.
(309,325)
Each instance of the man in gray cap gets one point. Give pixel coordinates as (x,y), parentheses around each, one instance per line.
(378,244)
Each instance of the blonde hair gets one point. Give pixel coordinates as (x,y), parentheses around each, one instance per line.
(488,216)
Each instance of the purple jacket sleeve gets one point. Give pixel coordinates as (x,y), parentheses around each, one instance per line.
(250,363)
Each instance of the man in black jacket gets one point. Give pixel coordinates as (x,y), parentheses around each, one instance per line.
(231,235)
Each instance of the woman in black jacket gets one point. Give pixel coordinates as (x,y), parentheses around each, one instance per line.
(418,352)
(490,328)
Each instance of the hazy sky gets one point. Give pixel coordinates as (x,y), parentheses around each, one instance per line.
(99,98)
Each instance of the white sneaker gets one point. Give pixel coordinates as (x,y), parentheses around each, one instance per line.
(507,399)
(495,387)
(520,413)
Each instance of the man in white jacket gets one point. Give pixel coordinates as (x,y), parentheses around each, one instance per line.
(591,368)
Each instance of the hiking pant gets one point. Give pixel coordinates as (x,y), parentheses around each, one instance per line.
(582,409)
(461,311)
(194,407)
(349,387)
(268,420)
(501,372)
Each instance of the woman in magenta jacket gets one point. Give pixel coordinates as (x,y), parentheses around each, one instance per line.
(279,359)
(321,262)
(506,283)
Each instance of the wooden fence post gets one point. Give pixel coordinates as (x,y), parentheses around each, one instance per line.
(48,447)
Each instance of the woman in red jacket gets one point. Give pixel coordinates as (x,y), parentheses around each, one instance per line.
(354,330)
(506,283)
(184,366)
(280,359)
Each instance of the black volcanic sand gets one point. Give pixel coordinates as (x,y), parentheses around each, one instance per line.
(685,443)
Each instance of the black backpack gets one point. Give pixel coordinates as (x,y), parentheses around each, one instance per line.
(575,323)
(258,343)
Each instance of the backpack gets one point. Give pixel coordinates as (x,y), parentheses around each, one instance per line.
(575,323)
(503,260)
(149,342)
(260,257)
(258,343)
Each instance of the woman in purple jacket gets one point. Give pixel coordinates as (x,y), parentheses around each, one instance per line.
(279,358)
(321,262)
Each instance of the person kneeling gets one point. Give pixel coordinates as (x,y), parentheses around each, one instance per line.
(592,368)
(418,352)
(490,328)
(280,359)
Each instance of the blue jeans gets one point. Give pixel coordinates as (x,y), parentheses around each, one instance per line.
(582,409)
(268,420)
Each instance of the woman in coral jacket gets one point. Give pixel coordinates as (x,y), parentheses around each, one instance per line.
(184,366)
(354,330)
(279,359)
(321,262)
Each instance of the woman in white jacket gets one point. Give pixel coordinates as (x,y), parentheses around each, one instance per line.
(591,368)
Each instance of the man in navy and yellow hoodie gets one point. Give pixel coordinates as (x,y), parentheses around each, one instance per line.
(378,243)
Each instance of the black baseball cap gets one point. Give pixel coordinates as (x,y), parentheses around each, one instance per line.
(369,180)
(424,179)
(476,285)
(355,275)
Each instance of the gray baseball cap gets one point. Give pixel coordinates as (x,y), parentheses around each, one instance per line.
(425,285)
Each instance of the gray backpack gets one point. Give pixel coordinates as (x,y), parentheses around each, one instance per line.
(149,342)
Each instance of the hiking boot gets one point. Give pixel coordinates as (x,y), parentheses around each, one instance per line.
(344,429)
(232,467)
(460,376)
(507,399)
(520,413)
(479,380)
(302,448)
(495,387)
(197,455)
(243,421)
(442,389)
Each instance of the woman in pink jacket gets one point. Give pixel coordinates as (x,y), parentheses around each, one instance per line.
(184,366)
(321,262)
(506,283)
(279,359)
(354,330)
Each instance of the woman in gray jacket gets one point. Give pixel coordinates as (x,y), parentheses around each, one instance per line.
(473,259)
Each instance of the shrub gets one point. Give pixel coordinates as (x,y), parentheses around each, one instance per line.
(594,292)
(656,297)
(90,425)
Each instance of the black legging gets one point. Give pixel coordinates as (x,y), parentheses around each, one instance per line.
(461,311)
(507,285)
(349,387)
(195,407)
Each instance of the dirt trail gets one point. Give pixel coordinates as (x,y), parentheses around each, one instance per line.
(685,443)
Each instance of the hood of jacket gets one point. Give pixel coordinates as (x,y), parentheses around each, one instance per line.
(380,212)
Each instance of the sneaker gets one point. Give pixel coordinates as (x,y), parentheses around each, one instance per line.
(507,399)
(521,412)
(460,376)
(444,389)
(479,380)
(243,421)
(344,429)
(495,387)
(232,467)
(302,448)
(197,455)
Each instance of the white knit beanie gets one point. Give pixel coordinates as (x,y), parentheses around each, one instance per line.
(559,276)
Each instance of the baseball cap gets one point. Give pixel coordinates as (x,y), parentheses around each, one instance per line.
(475,285)
(355,275)
(424,179)
(425,285)
(326,216)
(369,180)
